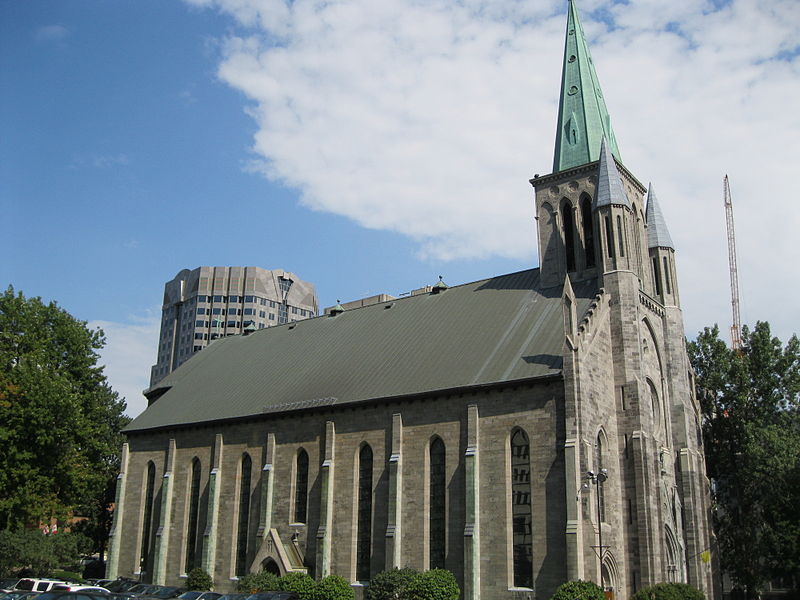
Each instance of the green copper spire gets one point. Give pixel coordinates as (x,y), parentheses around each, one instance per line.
(583,119)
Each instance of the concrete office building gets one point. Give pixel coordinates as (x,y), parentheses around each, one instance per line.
(206,303)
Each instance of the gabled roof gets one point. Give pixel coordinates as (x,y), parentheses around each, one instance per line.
(496,330)
(657,233)
(583,120)
(609,184)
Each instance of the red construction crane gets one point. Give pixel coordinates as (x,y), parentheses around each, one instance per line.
(736,327)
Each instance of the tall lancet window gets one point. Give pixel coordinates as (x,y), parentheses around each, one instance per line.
(609,237)
(656,276)
(569,235)
(437,504)
(244,516)
(364,531)
(194,505)
(588,230)
(521,509)
(147,517)
(301,487)
(601,500)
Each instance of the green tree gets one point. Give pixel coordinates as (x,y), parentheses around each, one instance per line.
(258,582)
(669,591)
(334,587)
(578,590)
(199,580)
(750,400)
(436,584)
(391,584)
(61,422)
(301,584)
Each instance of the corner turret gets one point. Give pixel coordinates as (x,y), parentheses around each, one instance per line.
(662,253)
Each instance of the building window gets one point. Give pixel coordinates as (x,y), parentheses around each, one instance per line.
(244,516)
(364,530)
(521,510)
(234,299)
(283,314)
(249,298)
(569,237)
(609,237)
(216,311)
(588,231)
(601,498)
(621,236)
(202,298)
(436,507)
(271,316)
(219,298)
(194,505)
(147,520)
(656,276)
(285,284)
(666,276)
(301,487)
(232,324)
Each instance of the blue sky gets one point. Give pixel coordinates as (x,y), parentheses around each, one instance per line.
(370,147)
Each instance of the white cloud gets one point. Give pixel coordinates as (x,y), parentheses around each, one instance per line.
(426,118)
(50,33)
(128,355)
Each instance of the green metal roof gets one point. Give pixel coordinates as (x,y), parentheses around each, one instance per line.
(583,119)
(496,330)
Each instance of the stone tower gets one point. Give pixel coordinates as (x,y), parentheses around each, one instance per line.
(631,409)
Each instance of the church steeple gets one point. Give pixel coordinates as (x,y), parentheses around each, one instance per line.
(583,120)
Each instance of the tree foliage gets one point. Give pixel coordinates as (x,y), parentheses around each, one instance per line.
(436,584)
(334,587)
(61,422)
(578,590)
(669,591)
(391,584)
(301,584)
(199,580)
(751,426)
(28,550)
(258,582)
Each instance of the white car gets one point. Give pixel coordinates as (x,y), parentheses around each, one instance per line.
(69,587)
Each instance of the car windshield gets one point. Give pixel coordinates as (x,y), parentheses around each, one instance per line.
(49,595)
(190,595)
(140,588)
(166,592)
(25,584)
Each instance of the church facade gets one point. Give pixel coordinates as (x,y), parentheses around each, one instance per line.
(520,431)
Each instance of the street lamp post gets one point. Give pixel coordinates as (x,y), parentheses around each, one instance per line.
(598,479)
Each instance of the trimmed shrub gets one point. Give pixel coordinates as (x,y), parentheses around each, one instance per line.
(390,585)
(578,590)
(299,583)
(436,584)
(334,587)
(669,591)
(258,582)
(199,580)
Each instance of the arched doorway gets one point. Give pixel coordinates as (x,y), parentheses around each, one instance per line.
(270,566)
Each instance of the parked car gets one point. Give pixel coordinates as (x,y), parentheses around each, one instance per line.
(273,596)
(118,586)
(71,587)
(64,595)
(197,595)
(234,596)
(18,595)
(37,585)
(161,592)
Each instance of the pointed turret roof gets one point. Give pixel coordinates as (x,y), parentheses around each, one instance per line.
(609,184)
(583,119)
(657,232)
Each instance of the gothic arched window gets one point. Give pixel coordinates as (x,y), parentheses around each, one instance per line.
(194,505)
(244,515)
(147,517)
(656,276)
(609,237)
(364,530)
(301,487)
(588,230)
(569,236)
(521,509)
(601,500)
(437,504)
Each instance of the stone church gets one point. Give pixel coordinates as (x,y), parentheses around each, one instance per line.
(520,431)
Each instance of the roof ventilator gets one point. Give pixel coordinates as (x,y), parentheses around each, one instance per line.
(439,287)
(338,309)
